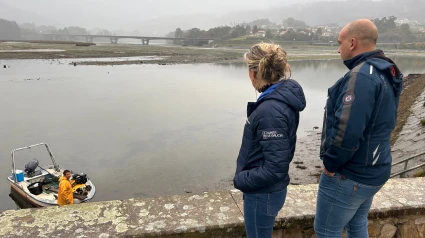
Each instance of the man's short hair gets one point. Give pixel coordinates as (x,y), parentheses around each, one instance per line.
(66,171)
(363,32)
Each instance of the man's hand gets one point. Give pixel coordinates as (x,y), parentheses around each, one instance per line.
(328,173)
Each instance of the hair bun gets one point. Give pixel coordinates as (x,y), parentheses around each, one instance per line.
(269,61)
(270,58)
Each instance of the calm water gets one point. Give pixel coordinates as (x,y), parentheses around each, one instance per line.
(142,130)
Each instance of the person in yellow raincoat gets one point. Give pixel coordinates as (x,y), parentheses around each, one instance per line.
(65,196)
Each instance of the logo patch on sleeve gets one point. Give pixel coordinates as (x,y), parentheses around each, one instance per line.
(348,98)
(271,134)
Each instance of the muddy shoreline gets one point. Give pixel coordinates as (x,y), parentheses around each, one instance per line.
(199,59)
(166,54)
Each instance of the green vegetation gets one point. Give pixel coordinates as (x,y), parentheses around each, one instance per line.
(295,30)
(419,174)
(389,32)
(291,22)
(9,30)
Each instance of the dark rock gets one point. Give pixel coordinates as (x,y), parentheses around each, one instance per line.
(295,184)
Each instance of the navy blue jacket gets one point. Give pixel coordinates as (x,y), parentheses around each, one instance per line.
(269,138)
(360,114)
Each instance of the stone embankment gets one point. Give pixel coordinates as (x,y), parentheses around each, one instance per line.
(398,209)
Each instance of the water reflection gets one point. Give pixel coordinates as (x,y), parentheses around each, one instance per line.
(19,201)
(321,74)
(408,64)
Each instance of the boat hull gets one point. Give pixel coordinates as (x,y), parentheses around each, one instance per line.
(21,193)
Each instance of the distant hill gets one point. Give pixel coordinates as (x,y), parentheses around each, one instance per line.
(324,12)
(315,13)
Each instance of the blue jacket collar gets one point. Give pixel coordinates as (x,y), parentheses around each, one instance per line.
(268,91)
(286,91)
(356,60)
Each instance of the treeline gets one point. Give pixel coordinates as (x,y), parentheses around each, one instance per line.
(389,32)
(296,30)
(32,31)
(9,30)
(226,33)
(291,29)
(223,33)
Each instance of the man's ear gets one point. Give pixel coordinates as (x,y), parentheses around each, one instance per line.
(354,43)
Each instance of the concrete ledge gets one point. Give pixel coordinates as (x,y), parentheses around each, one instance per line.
(217,214)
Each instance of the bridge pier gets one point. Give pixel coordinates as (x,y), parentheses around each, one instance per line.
(145,41)
(89,39)
(114,40)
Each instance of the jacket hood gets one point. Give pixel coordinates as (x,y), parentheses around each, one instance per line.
(288,92)
(378,59)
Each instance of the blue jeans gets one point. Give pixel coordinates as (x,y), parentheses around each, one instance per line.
(342,202)
(260,211)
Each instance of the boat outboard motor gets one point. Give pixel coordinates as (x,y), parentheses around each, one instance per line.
(80,178)
(31,166)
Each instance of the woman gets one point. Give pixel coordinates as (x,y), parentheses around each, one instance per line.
(269,138)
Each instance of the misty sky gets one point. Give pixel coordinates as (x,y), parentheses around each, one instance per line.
(129,14)
(103,13)
(143,8)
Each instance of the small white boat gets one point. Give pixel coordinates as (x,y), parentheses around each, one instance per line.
(39,185)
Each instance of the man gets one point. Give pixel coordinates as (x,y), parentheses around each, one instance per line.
(360,114)
(65,196)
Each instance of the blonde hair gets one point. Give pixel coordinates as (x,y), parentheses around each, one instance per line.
(269,61)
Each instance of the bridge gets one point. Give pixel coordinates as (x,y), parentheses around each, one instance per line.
(145,39)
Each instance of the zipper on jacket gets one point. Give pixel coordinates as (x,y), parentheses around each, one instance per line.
(325,118)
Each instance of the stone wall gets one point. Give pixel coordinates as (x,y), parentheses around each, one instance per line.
(397,210)
(406,227)
(409,226)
